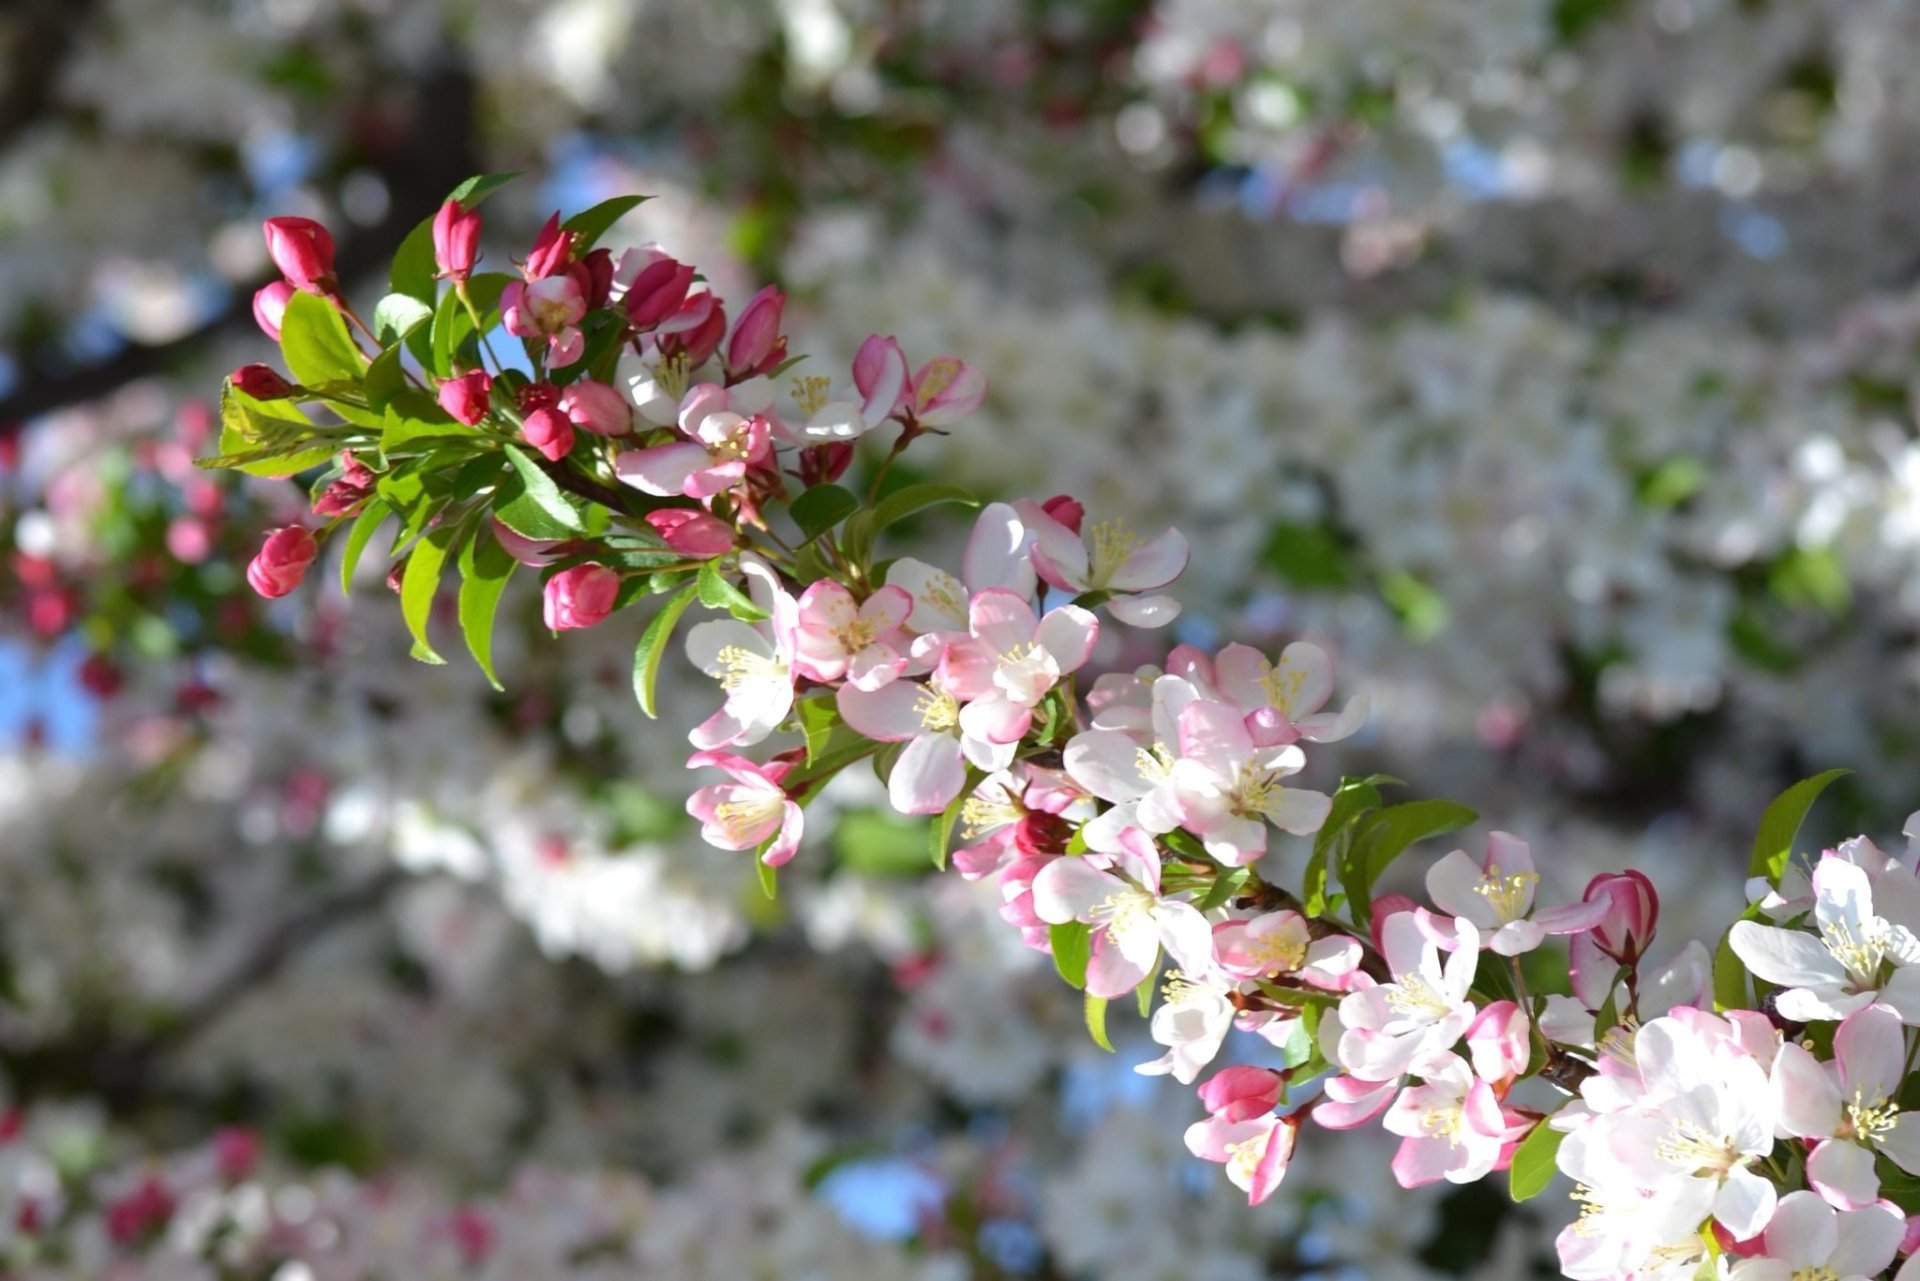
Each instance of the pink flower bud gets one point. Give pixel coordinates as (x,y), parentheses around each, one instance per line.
(467,397)
(303,251)
(580,597)
(700,342)
(548,431)
(1627,928)
(595,274)
(552,249)
(946,390)
(236,1150)
(456,240)
(824,464)
(880,374)
(657,292)
(282,561)
(692,532)
(595,407)
(348,494)
(1066,510)
(269,306)
(261,382)
(1241,1093)
(757,344)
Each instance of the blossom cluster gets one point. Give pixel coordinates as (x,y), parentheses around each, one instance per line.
(1127,828)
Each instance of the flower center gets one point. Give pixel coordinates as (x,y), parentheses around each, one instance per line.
(1244,1157)
(1697,1150)
(1113,542)
(1254,792)
(1871,1122)
(810,393)
(1445,1123)
(741,666)
(1155,764)
(944,593)
(1123,910)
(1861,952)
(1821,1273)
(673,373)
(1508,894)
(1279,953)
(734,444)
(857,635)
(1411,994)
(741,819)
(937,709)
(986,812)
(1282,685)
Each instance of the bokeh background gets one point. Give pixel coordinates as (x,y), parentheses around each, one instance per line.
(1550,361)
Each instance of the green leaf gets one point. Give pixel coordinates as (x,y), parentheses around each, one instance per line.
(769,876)
(1383,836)
(397,315)
(863,527)
(477,188)
(718,592)
(818,719)
(1314,557)
(386,378)
(590,224)
(1096,1012)
(1299,1046)
(820,508)
(413,266)
(653,647)
(1072,946)
(485,568)
(1773,845)
(1225,885)
(421,581)
(269,462)
(359,534)
(1730,975)
(539,492)
(401,431)
(1143,993)
(1533,1162)
(942,833)
(1355,798)
(315,342)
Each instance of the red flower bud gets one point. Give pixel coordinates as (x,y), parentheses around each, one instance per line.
(595,274)
(657,292)
(579,597)
(1065,510)
(757,344)
(348,494)
(550,432)
(1627,928)
(303,251)
(824,464)
(261,382)
(700,342)
(467,397)
(269,305)
(551,251)
(598,408)
(282,561)
(691,532)
(456,240)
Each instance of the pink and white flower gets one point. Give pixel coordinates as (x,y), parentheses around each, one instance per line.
(1858,958)
(1108,557)
(722,443)
(1807,1238)
(1282,700)
(998,556)
(1011,660)
(1277,944)
(1131,921)
(1497,896)
(861,642)
(1450,1127)
(549,308)
(1226,790)
(925,715)
(754,663)
(1191,1022)
(1256,1152)
(1849,1106)
(1424,1008)
(750,811)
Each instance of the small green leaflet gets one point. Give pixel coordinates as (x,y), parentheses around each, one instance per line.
(1096,1012)
(590,224)
(863,527)
(653,647)
(942,834)
(1533,1162)
(538,490)
(1773,845)
(1383,836)
(315,342)
(718,592)
(485,568)
(397,315)
(1072,946)
(359,534)
(769,876)
(421,581)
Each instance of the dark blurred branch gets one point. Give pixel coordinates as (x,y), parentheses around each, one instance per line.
(419,168)
(45,33)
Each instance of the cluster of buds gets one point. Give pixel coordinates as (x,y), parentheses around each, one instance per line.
(1127,821)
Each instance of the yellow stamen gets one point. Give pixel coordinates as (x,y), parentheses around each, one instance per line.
(937,710)
(810,393)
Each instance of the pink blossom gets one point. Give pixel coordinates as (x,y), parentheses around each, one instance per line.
(691,532)
(550,308)
(1497,896)
(270,305)
(456,240)
(1850,1106)
(1240,1093)
(1225,790)
(754,663)
(757,344)
(1499,1043)
(302,249)
(750,811)
(282,561)
(528,551)
(656,292)
(1450,1126)
(1808,1238)
(945,390)
(582,596)
(1011,659)
(1108,557)
(1282,700)
(262,382)
(926,717)
(466,397)
(858,641)
(1275,944)
(722,443)
(1131,920)
(998,555)
(549,431)
(593,406)
(880,375)
(1256,1152)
